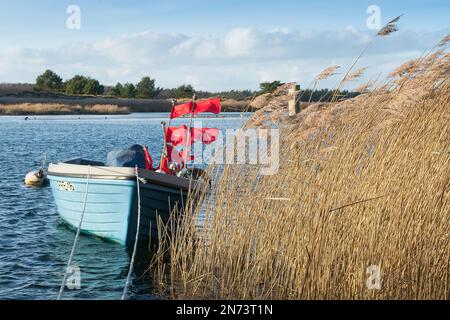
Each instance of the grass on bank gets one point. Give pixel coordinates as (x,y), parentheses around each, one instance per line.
(11,106)
(59,109)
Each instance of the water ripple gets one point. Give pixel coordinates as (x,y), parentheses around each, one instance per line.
(34,244)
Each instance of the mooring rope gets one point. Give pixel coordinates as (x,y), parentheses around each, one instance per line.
(72,253)
(130,270)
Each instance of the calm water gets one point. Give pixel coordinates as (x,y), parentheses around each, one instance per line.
(34,244)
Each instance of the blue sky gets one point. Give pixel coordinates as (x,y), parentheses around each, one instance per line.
(215,44)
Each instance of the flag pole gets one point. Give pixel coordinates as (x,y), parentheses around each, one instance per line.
(164,152)
(163,124)
(188,147)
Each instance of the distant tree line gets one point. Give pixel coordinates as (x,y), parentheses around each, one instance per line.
(145,89)
(186,91)
(325,95)
(306,95)
(49,81)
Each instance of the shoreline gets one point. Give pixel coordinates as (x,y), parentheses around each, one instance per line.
(30,117)
(235,112)
(30,106)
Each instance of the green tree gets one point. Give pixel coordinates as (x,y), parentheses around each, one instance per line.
(269,87)
(93,87)
(117,90)
(146,88)
(184,91)
(49,81)
(76,85)
(128,91)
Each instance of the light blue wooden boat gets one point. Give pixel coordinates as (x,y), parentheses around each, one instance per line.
(111,205)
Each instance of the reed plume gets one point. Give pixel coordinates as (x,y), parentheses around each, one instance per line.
(389,28)
(324,74)
(353,76)
(404,68)
(364,87)
(444,41)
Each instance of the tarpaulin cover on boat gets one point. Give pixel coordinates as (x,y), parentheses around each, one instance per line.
(127,158)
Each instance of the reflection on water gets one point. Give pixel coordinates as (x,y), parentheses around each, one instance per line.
(34,243)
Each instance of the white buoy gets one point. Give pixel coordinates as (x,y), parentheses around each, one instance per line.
(39,178)
(35,178)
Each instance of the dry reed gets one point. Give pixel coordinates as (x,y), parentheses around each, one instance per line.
(54,108)
(328,72)
(356,74)
(389,28)
(361,182)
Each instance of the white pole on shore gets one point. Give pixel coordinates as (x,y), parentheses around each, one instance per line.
(294,101)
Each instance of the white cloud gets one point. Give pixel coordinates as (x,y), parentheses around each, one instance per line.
(241,42)
(118,72)
(241,58)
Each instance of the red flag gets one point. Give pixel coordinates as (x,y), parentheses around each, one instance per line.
(205,135)
(148,159)
(176,156)
(164,165)
(209,105)
(181,110)
(177,135)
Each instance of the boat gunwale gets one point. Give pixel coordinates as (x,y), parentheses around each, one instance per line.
(76,171)
(92,176)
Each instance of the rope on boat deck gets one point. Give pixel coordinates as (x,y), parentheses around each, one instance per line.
(72,253)
(130,270)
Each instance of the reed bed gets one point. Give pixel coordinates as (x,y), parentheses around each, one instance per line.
(60,109)
(362,182)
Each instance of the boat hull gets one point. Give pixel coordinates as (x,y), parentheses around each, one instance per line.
(108,205)
(157,203)
(111,208)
